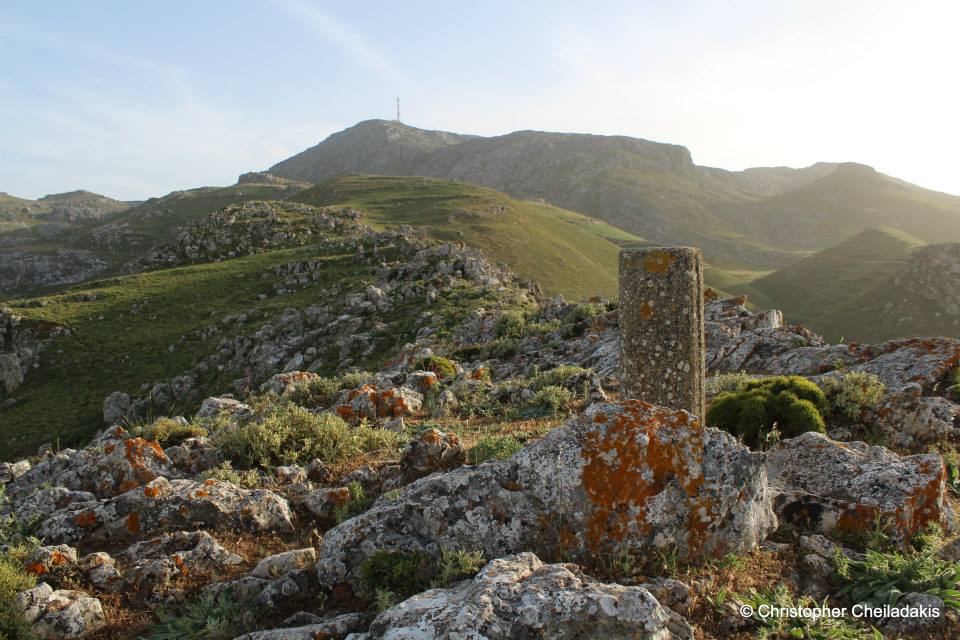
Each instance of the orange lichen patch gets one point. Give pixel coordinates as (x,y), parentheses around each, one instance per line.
(133,523)
(646,311)
(36,569)
(86,518)
(181,566)
(346,412)
(431,436)
(210,482)
(135,450)
(201,493)
(184,511)
(151,492)
(110,448)
(339,496)
(632,459)
(57,558)
(658,261)
(477,374)
(600,418)
(127,485)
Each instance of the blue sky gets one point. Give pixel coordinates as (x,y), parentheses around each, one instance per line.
(135,99)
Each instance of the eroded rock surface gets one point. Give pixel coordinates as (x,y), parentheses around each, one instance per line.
(521,598)
(623,478)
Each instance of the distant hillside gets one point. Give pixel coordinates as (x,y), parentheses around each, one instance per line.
(566,252)
(48,248)
(923,298)
(758,218)
(827,279)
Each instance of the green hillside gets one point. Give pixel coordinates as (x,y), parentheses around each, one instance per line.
(827,279)
(565,252)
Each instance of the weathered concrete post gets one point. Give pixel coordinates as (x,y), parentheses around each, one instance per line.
(662,345)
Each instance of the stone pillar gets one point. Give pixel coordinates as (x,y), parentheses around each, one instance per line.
(662,345)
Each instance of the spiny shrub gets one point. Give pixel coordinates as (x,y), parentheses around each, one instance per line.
(249,479)
(557,377)
(849,394)
(443,367)
(169,432)
(289,434)
(549,401)
(727,382)
(791,404)
(576,321)
(354,379)
(493,447)
(318,392)
(510,325)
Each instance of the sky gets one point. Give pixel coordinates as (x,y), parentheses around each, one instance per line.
(137,99)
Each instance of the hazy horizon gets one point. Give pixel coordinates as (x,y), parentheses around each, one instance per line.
(136,100)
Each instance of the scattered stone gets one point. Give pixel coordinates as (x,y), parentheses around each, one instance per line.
(101,571)
(156,561)
(333,628)
(281,564)
(50,558)
(165,505)
(61,614)
(220,406)
(823,486)
(430,451)
(521,597)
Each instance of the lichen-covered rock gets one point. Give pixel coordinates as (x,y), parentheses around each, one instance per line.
(623,478)
(284,383)
(100,570)
(372,403)
(283,563)
(116,408)
(165,505)
(323,503)
(430,451)
(12,470)
(520,598)
(33,506)
(156,561)
(329,629)
(217,407)
(61,614)
(112,464)
(50,558)
(823,485)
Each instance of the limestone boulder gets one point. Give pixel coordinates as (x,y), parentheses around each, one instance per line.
(156,561)
(431,451)
(822,485)
(163,505)
(60,614)
(519,597)
(624,478)
(373,403)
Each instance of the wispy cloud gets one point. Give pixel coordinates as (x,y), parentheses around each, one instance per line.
(328,28)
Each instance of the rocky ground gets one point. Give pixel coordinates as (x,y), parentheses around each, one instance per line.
(487,481)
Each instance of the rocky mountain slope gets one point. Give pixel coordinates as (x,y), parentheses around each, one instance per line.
(764,217)
(448,490)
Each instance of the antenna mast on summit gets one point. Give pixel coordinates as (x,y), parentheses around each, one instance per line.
(398,109)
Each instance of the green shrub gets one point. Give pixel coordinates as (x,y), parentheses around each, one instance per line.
(954,389)
(402,573)
(883,577)
(457,565)
(169,432)
(765,408)
(500,348)
(549,401)
(849,394)
(357,504)
(498,447)
(576,321)
(511,324)
(319,392)
(355,379)
(226,473)
(208,617)
(289,434)
(13,580)
(443,367)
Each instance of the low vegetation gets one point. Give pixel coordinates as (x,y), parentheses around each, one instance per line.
(208,617)
(393,576)
(800,627)
(289,434)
